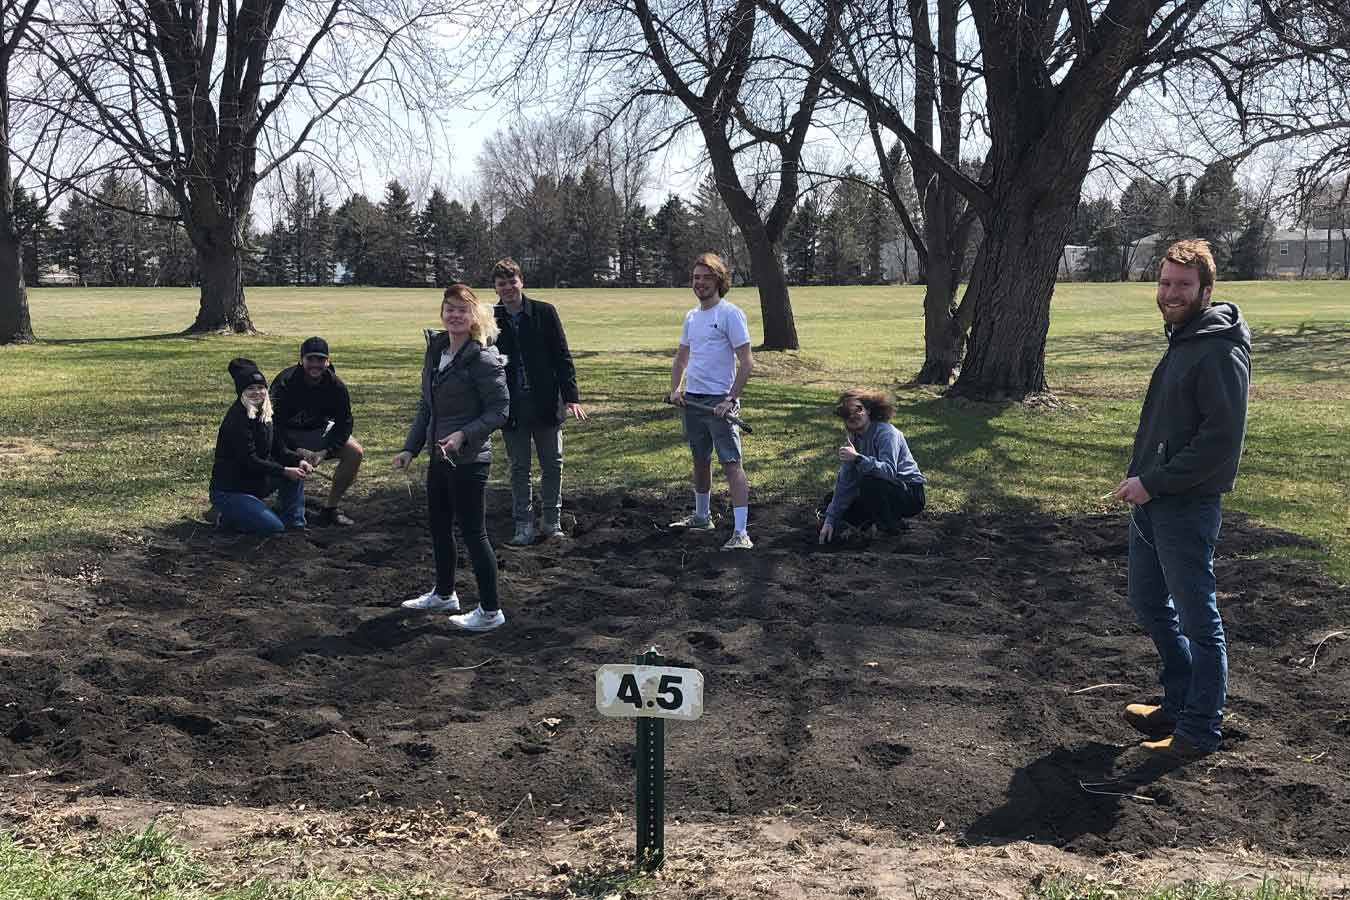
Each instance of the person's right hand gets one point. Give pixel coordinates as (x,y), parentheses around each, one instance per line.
(306,466)
(401,460)
(676,397)
(294,473)
(826,532)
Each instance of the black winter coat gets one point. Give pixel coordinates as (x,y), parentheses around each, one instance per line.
(247,454)
(541,347)
(298,405)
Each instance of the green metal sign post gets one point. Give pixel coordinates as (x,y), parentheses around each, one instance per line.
(651,782)
(651,693)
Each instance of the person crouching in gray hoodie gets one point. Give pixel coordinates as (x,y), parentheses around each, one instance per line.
(879,483)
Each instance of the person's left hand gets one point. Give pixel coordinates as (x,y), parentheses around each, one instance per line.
(1132,490)
(726,406)
(575,411)
(306,466)
(848,454)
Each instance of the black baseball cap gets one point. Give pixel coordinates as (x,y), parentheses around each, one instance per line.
(315,346)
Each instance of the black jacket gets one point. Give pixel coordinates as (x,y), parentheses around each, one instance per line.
(298,405)
(541,347)
(469,395)
(1195,413)
(247,454)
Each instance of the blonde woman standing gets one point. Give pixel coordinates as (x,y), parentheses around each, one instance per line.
(250,463)
(463,400)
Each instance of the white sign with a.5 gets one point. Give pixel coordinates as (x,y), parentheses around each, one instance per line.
(659,691)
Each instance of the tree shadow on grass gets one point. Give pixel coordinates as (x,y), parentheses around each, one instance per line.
(116,339)
(1309,351)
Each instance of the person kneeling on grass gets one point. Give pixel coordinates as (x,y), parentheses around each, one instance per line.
(879,483)
(251,463)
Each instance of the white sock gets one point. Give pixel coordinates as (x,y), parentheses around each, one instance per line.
(702,504)
(741,513)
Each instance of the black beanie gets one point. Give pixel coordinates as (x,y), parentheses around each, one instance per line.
(245,373)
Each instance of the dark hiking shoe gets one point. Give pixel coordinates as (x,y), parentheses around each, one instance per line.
(1149,720)
(331,515)
(1176,747)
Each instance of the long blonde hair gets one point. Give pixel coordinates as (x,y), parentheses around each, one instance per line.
(261,410)
(484,329)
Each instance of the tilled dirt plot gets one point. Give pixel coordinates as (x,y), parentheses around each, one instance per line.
(924,682)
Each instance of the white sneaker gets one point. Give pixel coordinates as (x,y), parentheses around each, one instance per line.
(739,540)
(434,602)
(479,620)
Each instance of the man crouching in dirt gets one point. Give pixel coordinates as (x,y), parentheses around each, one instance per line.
(1186,454)
(314,409)
(879,483)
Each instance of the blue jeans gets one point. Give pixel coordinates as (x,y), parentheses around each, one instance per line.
(1172,592)
(247,513)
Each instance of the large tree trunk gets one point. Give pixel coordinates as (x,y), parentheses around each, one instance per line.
(766,266)
(944,336)
(775,306)
(1010,288)
(219,258)
(16,327)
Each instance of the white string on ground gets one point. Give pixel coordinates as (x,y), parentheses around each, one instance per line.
(1323,641)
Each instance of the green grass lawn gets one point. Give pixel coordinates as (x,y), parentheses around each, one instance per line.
(108,425)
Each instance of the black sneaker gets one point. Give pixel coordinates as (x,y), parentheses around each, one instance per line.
(331,515)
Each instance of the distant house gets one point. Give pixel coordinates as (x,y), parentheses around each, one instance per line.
(899,261)
(1305,254)
(1289,254)
(55,276)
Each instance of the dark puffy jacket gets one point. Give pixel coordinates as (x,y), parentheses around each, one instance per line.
(469,395)
(542,350)
(247,453)
(1194,418)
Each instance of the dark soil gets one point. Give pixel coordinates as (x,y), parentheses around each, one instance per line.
(923,681)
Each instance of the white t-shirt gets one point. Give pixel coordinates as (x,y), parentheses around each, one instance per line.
(712,336)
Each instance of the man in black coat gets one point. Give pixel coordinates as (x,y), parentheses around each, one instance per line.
(1186,454)
(314,412)
(543,384)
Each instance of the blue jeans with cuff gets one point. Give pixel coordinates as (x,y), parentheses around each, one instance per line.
(1172,592)
(244,512)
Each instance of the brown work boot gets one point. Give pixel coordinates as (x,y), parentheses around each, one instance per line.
(1175,746)
(1148,719)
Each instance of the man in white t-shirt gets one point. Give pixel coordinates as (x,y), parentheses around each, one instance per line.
(714,362)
